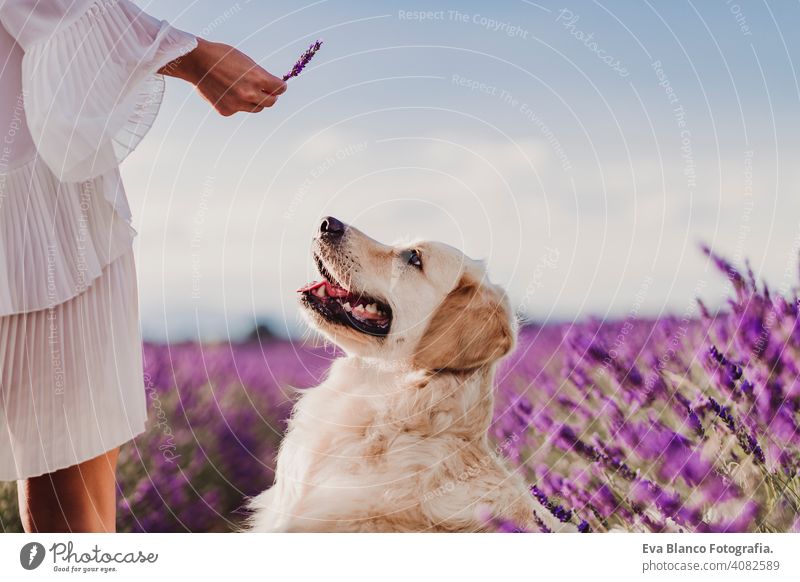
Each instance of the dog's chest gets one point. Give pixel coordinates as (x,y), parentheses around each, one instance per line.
(334,428)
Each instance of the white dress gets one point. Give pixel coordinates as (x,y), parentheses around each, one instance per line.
(79,91)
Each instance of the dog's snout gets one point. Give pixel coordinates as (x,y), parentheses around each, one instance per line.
(331,227)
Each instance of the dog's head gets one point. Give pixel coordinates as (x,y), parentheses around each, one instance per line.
(426,304)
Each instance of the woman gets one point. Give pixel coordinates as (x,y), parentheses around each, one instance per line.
(80,88)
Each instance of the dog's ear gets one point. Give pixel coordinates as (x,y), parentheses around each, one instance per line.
(470,328)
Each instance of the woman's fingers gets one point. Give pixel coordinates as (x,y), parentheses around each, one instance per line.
(266,100)
(280,90)
(271,84)
(263,92)
(256,105)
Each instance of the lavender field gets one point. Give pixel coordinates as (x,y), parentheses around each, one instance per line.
(686,423)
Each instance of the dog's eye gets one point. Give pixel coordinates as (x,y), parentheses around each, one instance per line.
(414,259)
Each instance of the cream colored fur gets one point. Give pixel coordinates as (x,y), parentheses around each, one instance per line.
(395,439)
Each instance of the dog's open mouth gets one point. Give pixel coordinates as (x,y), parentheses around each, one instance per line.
(353,309)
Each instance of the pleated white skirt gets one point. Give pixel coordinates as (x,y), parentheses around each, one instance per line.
(71,385)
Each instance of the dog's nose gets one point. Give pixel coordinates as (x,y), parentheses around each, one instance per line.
(330,226)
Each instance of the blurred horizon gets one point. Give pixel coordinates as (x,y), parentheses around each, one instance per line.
(584,150)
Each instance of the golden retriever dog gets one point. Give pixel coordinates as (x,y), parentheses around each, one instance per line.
(395,439)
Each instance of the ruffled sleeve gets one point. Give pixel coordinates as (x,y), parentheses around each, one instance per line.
(89,77)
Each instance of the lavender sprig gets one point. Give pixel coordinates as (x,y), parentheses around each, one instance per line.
(303,61)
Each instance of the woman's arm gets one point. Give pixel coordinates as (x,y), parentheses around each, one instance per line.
(89,106)
(227,78)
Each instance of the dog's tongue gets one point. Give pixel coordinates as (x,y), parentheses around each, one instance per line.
(330,289)
(311,286)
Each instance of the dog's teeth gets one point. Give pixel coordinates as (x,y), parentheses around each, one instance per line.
(347,307)
(372,308)
(320,291)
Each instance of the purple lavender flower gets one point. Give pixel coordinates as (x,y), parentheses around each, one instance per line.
(732,273)
(724,413)
(559,511)
(540,522)
(303,60)
(694,420)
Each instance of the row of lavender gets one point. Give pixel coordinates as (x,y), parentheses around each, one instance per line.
(676,424)
(679,424)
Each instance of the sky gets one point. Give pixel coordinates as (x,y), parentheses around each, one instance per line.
(584,150)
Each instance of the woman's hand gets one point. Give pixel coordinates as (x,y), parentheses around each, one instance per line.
(227,78)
